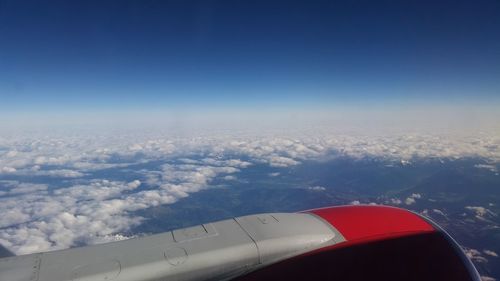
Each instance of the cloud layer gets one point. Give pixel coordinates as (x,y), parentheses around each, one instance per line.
(50,199)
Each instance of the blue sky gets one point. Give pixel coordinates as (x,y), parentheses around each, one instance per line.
(142,56)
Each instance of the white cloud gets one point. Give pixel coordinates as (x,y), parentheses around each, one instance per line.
(475,255)
(490,253)
(416,195)
(405,162)
(8,170)
(283,162)
(55,173)
(16,187)
(229,178)
(37,217)
(481,212)
(409,201)
(412,198)
(36,221)
(230,162)
(316,188)
(95,211)
(28,188)
(84,152)
(134,184)
(395,201)
(355,202)
(492,168)
(439,212)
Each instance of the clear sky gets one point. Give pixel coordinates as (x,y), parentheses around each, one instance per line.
(161,56)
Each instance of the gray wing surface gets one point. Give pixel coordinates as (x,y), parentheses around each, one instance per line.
(213,251)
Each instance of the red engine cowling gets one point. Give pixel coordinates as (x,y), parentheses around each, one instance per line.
(382,243)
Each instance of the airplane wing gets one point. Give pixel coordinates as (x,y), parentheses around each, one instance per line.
(337,243)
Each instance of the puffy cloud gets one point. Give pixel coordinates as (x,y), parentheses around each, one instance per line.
(280,161)
(490,253)
(475,255)
(492,168)
(316,188)
(36,221)
(230,162)
(229,178)
(96,211)
(8,170)
(97,190)
(55,173)
(16,187)
(405,162)
(481,212)
(83,152)
(439,212)
(37,217)
(409,201)
(28,188)
(395,201)
(412,198)
(134,184)
(355,202)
